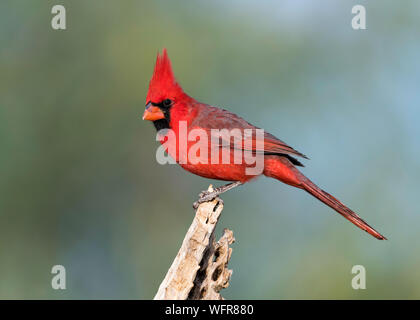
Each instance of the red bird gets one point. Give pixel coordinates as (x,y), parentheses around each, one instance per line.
(167,106)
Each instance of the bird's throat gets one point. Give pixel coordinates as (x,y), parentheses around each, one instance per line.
(161,124)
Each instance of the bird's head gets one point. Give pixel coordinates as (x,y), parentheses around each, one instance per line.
(165,95)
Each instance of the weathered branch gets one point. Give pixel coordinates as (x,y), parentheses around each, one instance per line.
(199,270)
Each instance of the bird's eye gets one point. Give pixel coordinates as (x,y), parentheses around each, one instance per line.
(167,102)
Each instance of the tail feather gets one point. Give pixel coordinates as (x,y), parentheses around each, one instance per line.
(335,204)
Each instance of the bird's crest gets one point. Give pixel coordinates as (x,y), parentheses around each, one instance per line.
(163,84)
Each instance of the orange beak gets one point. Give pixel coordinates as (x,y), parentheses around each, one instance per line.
(152,113)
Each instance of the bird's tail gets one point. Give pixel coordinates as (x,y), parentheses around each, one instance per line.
(282,169)
(332,202)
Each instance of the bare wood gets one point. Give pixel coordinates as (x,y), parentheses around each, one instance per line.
(199,270)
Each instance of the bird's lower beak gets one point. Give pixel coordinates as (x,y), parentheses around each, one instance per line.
(152,113)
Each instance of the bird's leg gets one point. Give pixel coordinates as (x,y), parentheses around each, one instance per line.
(205,196)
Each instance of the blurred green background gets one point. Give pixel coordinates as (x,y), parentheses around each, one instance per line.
(80,186)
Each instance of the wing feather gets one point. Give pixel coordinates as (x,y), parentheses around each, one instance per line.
(211,117)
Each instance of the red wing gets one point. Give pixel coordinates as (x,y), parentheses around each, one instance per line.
(214,118)
(275,146)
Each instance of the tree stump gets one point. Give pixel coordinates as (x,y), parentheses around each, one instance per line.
(199,270)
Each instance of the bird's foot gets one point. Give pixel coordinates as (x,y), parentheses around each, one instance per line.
(206,196)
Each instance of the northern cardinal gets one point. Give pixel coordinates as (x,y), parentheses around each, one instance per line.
(167,105)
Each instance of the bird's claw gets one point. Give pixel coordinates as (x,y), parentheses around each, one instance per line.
(205,196)
(203,193)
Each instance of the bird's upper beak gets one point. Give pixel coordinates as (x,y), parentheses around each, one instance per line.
(152,113)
